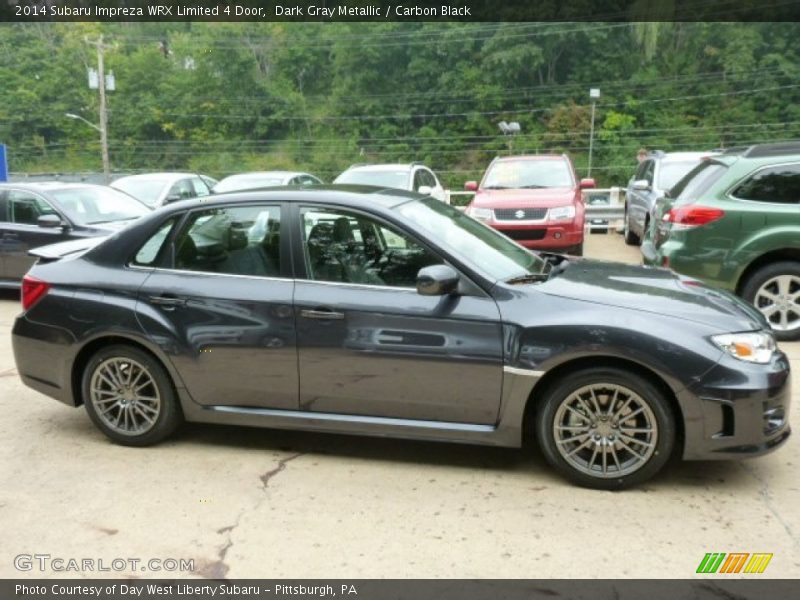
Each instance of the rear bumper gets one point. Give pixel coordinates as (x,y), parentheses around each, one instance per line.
(43,355)
(737,410)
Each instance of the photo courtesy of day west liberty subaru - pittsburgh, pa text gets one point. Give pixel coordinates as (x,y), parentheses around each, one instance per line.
(236,10)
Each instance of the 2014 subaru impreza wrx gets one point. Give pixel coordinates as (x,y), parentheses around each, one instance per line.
(381,312)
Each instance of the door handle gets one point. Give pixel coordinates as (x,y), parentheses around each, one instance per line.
(325,315)
(168,301)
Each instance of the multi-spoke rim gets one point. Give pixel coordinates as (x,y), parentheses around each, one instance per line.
(779,300)
(605,430)
(125,396)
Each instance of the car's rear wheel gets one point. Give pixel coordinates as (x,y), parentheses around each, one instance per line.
(129,396)
(775,291)
(630,238)
(605,428)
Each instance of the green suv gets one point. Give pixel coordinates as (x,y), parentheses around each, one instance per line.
(734,222)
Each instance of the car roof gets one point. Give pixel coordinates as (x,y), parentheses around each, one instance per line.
(264,174)
(385,167)
(530,157)
(157,176)
(682,156)
(349,194)
(46,186)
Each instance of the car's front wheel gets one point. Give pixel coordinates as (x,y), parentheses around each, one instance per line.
(129,396)
(605,428)
(775,291)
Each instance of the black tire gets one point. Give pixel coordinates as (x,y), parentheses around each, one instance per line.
(759,278)
(660,413)
(576,250)
(165,419)
(630,238)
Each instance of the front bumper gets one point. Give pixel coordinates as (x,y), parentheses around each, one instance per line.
(542,237)
(737,410)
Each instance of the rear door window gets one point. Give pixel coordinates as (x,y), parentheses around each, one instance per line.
(240,240)
(779,184)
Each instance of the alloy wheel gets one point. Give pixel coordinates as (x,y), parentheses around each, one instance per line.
(605,430)
(125,396)
(778,299)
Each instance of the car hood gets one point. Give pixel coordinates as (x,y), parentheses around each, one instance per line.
(653,290)
(544,198)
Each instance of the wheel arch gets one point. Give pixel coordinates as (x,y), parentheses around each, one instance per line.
(781,254)
(557,373)
(93,346)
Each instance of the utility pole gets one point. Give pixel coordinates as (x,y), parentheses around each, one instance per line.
(101,88)
(594,94)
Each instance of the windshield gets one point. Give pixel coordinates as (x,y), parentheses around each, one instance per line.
(472,241)
(669,173)
(146,190)
(697,181)
(389,179)
(96,205)
(245,182)
(518,174)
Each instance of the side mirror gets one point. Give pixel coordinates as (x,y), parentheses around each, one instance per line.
(471,186)
(641,184)
(587,184)
(425,190)
(437,280)
(50,221)
(172,198)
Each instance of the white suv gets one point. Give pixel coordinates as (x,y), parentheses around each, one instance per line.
(415,177)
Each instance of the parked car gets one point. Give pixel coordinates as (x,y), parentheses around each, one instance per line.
(655,175)
(535,200)
(157,189)
(39,214)
(264,179)
(734,222)
(415,177)
(379,312)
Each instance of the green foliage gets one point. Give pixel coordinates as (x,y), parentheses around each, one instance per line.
(226,97)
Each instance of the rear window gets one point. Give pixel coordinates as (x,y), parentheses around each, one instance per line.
(671,172)
(698,181)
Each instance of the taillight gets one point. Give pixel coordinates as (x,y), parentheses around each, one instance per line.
(32,291)
(692,216)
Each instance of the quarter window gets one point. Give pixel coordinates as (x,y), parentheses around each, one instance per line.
(776,184)
(243,240)
(351,248)
(150,252)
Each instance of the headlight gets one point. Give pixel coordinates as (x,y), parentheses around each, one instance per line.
(482,214)
(757,346)
(562,213)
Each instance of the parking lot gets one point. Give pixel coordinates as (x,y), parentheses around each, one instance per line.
(249,502)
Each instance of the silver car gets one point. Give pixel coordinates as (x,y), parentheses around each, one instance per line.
(655,175)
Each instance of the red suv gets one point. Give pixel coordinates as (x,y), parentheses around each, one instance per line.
(534,200)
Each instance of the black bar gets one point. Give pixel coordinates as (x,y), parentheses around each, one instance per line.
(719,587)
(398,10)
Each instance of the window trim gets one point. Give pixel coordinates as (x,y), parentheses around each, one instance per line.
(180,225)
(474,289)
(729,190)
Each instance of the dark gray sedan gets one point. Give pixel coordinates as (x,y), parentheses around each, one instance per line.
(38,214)
(380,312)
